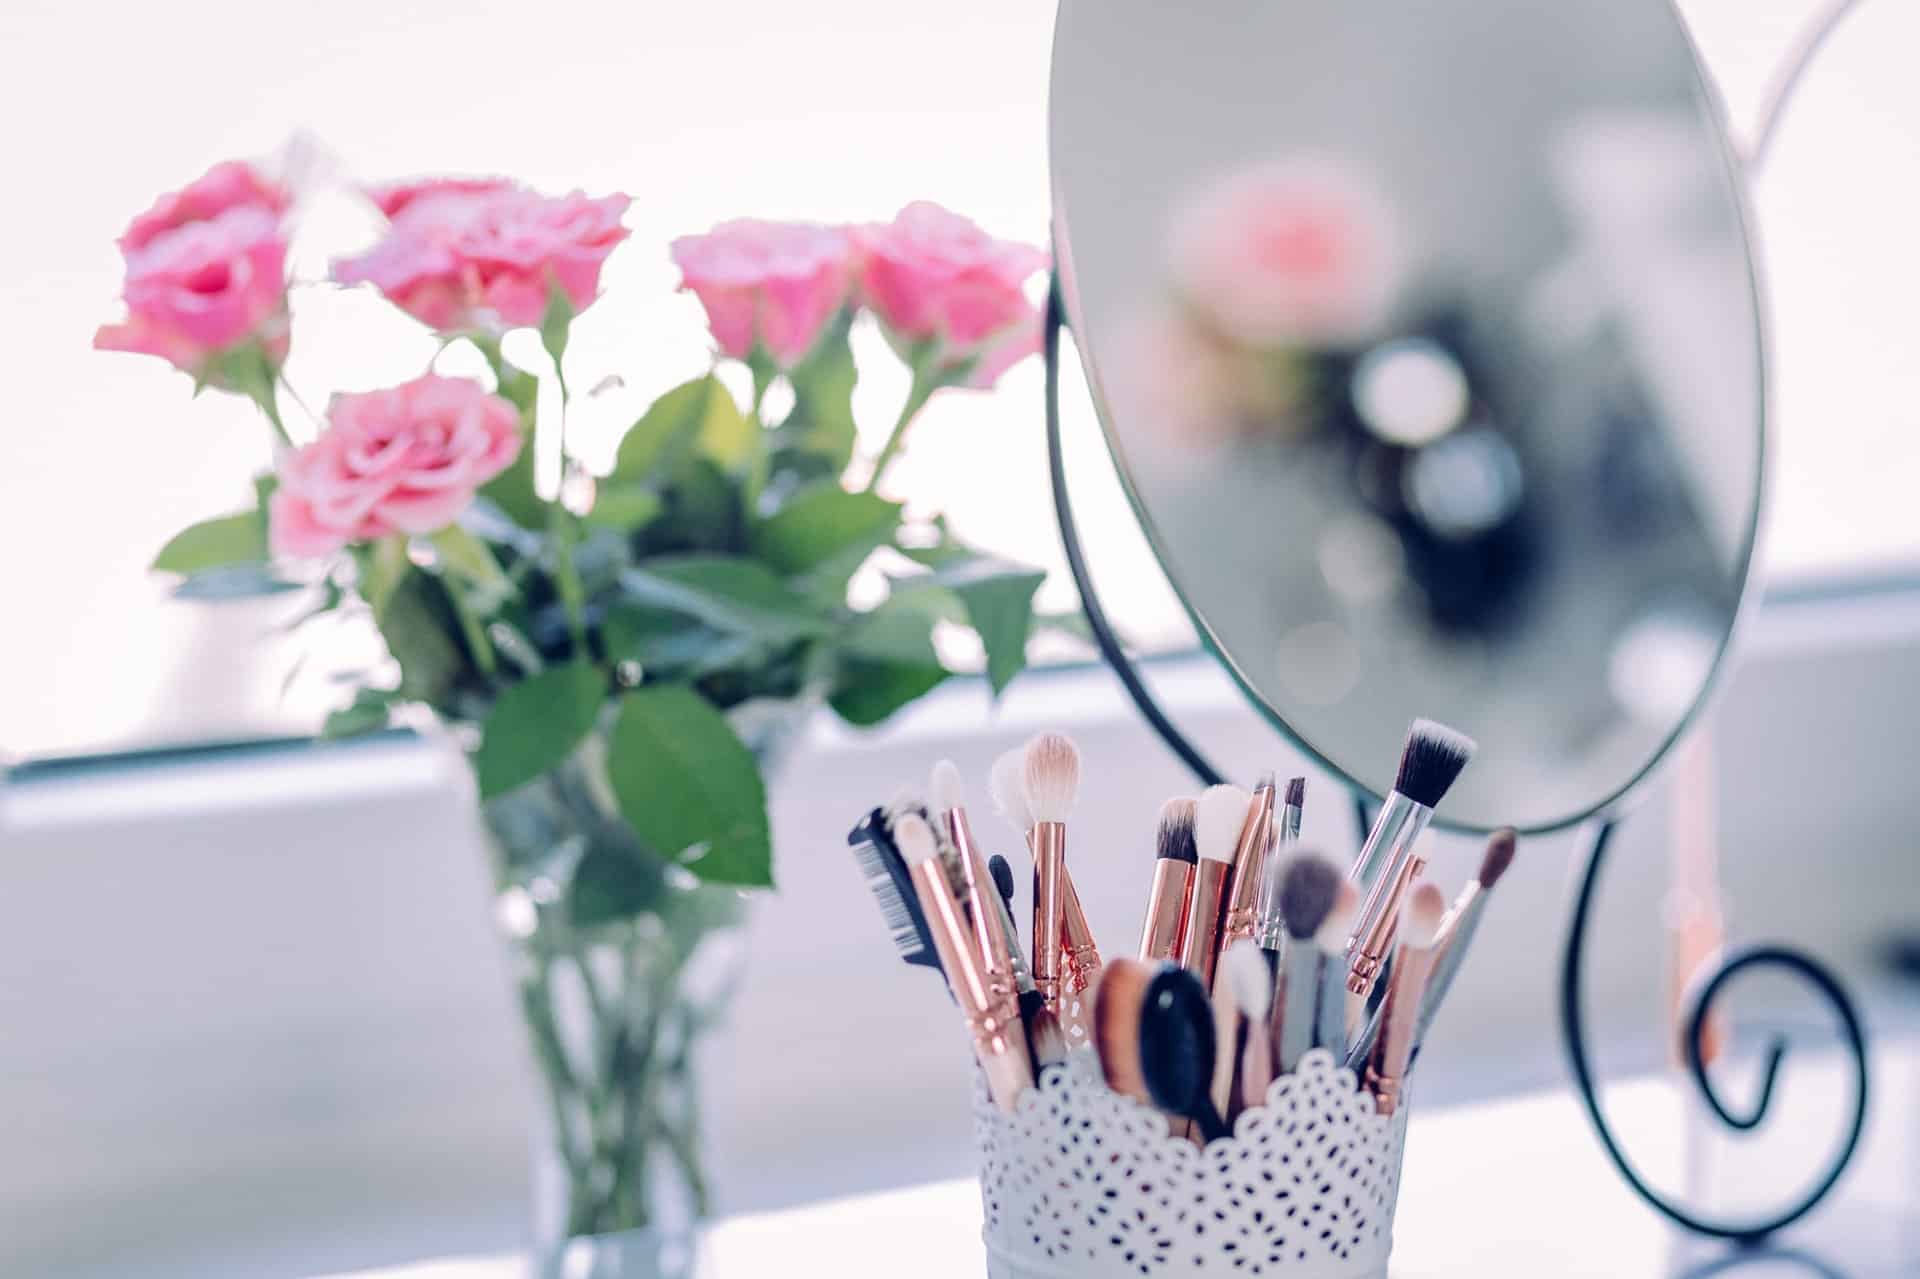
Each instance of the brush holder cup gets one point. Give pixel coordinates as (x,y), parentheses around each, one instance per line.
(1080,1182)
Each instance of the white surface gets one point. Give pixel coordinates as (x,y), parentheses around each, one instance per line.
(1513,1188)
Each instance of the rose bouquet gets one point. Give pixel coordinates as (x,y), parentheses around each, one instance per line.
(623,649)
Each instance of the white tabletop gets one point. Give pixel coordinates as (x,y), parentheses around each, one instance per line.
(1516,1187)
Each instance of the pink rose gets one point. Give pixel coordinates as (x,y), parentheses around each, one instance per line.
(486,257)
(1293,252)
(231,184)
(404,460)
(205,288)
(775,284)
(392,197)
(934,276)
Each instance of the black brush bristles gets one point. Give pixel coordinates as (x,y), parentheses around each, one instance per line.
(885,871)
(1297,792)
(1308,889)
(1432,760)
(1002,872)
(1173,841)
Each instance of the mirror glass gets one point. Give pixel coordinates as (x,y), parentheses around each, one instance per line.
(1427,343)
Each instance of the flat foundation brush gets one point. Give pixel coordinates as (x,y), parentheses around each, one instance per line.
(1456,930)
(1173,864)
(1430,763)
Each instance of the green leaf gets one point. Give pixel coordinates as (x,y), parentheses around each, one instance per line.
(468,557)
(535,725)
(821,523)
(998,597)
(701,415)
(418,625)
(513,492)
(822,417)
(229,540)
(866,693)
(900,631)
(670,646)
(690,787)
(612,884)
(728,592)
(624,507)
(367,714)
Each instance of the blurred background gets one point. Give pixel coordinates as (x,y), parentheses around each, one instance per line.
(257,1022)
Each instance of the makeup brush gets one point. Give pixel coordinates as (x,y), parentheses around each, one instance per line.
(1457,929)
(1430,763)
(1269,931)
(1177,1048)
(880,864)
(1248,1068)
(1173,862)
(1051,777)
(1045,1039)
(1217,821)
(1249,857)
(1335,1006)
(1116,1026)
(1309,889)
(999,1040)
(947,804)
(1007,784)
(1400,1012)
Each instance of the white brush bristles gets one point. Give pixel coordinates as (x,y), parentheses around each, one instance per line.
(1052,776)
(944,789)
(1421,921)
(1007,783)
(1338,926)
(1249,980)
(1217,820)
(914,838)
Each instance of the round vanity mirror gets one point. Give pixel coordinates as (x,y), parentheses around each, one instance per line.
(1427,342)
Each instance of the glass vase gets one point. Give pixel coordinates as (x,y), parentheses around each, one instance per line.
(622,963)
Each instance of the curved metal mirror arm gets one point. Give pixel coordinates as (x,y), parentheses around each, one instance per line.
(1104,636)
(1787,76)
(1788,962)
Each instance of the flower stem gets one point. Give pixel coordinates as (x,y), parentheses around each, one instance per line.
(925,383)
(476,634)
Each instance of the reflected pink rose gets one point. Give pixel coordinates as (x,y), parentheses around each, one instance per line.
(404,460)
(485,257)
(771,284)
(934,276)
(205,288)
(1293,252)
(231,184)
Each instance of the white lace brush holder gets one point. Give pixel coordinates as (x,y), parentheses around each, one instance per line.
(1083,1183)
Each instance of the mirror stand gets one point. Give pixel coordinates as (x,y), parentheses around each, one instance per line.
(1700,1001)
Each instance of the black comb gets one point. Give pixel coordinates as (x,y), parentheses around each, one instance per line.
(885,871)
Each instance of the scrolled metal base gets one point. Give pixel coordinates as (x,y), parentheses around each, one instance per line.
(1705,991)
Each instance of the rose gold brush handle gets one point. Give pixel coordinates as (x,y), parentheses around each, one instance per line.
(1400,1019)
(999,1038)
(989,933)
(1166,921)
(1243,893)
(1200,945)
(1080,958)
(1049,910)
(1367,949)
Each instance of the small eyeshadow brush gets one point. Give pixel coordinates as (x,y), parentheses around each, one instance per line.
(1173,863)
